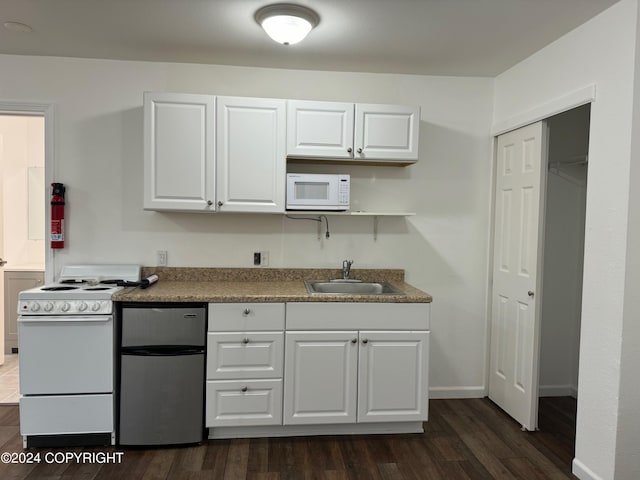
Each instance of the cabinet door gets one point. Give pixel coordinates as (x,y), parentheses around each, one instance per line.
(319,129)
(251,163)
(320,377)
(179,153)
(394,376)
(386,132)
(14,283)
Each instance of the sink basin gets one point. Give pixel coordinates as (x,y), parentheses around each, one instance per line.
(350,287)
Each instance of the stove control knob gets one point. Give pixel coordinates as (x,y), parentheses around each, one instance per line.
(65,307)
(95,307)
(82,307)
(35,307)
(48,307)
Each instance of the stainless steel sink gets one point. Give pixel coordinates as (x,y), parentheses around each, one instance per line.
(350,287)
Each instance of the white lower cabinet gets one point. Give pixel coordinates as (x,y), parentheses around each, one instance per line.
(357,372)
(235,403)
(393,376)
(244,367)
(321,377)
(350,376)
(334,368)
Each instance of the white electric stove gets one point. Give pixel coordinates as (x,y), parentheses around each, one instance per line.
(66,348)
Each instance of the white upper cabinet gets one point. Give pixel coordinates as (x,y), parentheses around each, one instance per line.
(319,129)
(251,162)
(179,152)
(386,132)
(347,131)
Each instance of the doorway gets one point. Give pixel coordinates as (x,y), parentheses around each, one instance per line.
(22,229)
(535,332)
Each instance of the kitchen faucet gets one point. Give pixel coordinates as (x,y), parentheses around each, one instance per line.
(346,269)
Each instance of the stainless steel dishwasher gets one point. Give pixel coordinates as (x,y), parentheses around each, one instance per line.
(162,361)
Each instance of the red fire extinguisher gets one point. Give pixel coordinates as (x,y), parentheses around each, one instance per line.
(57,215)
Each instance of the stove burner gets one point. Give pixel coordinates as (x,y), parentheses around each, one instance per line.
(97,288)
(73,281)
(114,281)
(58,289)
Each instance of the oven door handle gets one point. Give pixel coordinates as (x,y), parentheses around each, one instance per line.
(62,319)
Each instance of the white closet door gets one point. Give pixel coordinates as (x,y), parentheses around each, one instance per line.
(515,322)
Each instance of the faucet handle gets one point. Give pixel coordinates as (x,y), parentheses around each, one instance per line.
(347,263)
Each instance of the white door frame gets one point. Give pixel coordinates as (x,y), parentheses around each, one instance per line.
(47,110)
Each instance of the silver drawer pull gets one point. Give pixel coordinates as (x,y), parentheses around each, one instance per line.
(246,311)
(244,389)
(245,340)
(190,315)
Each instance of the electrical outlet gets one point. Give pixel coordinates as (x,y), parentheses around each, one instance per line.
(162,258)
(261,259)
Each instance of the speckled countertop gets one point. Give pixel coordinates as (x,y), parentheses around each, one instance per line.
(217,285)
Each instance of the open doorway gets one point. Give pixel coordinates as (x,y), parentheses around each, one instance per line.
(563,261)
(22,230)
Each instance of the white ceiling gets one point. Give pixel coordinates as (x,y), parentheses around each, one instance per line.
(432,37)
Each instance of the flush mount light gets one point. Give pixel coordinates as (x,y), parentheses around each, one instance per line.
(287,23)
(17,27)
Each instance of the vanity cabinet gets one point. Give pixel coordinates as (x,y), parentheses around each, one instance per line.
(179,152)
(245,353)
(251,163)
(356,370)
(347,131)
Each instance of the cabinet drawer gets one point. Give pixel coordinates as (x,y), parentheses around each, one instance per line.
(244,355)
(243,403)
(241,317)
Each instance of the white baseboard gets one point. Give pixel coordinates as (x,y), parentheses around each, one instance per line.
(581,471)
(313,430)
(558,391)
(457,392)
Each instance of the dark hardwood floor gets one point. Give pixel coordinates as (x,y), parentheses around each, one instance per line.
(464,439)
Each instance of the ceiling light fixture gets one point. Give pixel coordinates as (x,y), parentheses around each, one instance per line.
(287,23)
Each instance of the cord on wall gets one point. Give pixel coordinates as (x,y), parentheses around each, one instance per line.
(318,219)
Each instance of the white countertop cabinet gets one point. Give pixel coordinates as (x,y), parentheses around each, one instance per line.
(344,368)
(321,377)
(244,365)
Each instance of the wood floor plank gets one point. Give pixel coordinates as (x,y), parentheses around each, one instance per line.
(237,460)
(466,439)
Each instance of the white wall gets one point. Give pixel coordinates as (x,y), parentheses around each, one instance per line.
(443,249)
(601,52)
(628,440)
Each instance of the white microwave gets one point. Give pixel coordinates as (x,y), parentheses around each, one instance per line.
(307,191)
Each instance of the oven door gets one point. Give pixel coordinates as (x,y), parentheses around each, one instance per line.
(65,354)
